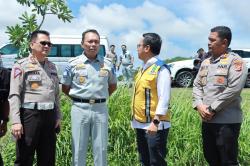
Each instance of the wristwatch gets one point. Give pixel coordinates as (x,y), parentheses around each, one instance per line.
(156,122)
(210,109)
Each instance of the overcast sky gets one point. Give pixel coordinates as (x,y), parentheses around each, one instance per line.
(184,25)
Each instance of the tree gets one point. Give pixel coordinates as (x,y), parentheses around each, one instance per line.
(19,34)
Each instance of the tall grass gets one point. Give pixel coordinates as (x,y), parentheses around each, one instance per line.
(184,141)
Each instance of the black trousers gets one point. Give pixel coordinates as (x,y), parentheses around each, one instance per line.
(152,148)
(1,160)
(39,136)
(220,143)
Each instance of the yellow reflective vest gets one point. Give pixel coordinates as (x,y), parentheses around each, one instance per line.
(145,98)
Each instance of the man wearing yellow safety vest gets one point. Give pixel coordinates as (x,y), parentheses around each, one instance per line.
(151,118)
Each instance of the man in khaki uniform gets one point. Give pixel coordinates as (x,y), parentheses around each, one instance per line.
(112,56)
(4,103)
(34,104)
(126,61)
(216,96)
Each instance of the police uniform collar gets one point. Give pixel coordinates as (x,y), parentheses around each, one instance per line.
(85,59)
(32,59)
(223,56)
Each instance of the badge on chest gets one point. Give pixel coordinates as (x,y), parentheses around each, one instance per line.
(103,73)
(82,79)
(81,73)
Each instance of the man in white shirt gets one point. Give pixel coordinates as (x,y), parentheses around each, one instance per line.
(150,102)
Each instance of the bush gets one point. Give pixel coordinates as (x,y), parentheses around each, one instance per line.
(184,141)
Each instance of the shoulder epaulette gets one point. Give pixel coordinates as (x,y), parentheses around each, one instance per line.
(51,63)
(73,59)
(107,61)
(159,63)
(20,61)
(234,54)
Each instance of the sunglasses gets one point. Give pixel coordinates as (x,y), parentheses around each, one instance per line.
(44,43)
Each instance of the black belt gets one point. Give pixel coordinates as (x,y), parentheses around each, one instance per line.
(91,101)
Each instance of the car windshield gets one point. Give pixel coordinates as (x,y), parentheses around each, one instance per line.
(57,50)
(9,49)
(70,50)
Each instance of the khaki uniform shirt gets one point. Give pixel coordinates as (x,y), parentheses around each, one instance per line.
(32,83)
(112,56)
(126,58)
(218,84)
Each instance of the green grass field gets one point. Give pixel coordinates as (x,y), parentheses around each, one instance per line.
(184,141)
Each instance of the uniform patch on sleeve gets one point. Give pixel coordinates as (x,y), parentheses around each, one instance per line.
(237,64)
(17,72)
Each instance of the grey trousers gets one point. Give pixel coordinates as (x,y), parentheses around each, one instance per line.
(90,120)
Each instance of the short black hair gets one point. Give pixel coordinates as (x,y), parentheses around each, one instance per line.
(124,45)
(154,41)
(87,31)
(223,33)
(34,34)
(112,45)
(200,49)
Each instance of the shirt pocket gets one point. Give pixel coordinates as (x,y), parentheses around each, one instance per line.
(34,80)
(81,76)
(220,79)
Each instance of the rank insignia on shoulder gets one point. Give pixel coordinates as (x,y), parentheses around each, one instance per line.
(207,61)
(17,72)
(237,64)
(33,60)
(224,60)
(103,73)
(224,56)
(31,66)
(80,66)
(51,66)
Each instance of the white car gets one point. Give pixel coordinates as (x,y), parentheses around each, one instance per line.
(64,47)
(182,72)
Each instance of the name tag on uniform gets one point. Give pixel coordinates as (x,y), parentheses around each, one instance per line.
(34,77)
(83,72)
(103,73)
(34,80)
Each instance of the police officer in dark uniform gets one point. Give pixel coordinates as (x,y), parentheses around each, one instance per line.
(216,96)
(4,104)
(34,104)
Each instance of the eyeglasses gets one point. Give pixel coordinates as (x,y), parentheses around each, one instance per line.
(139,45)
(44,43)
